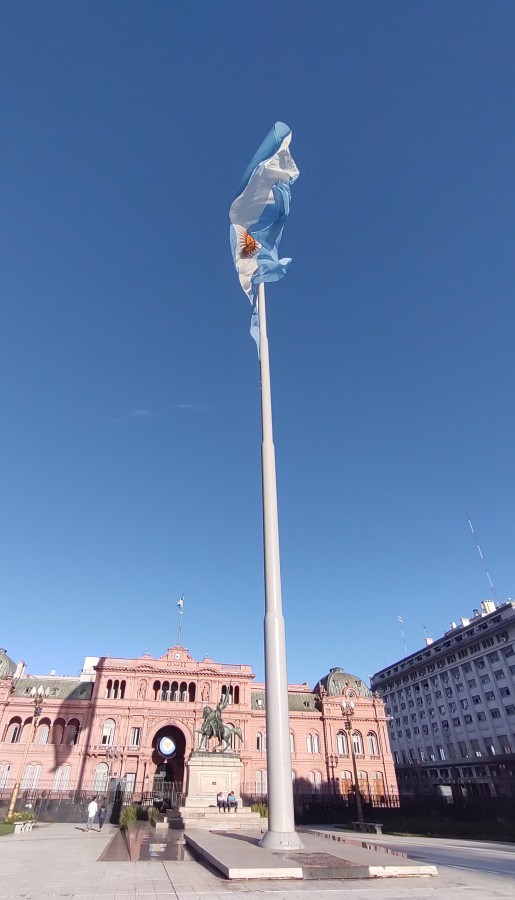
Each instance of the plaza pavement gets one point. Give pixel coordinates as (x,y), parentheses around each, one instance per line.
(62,861)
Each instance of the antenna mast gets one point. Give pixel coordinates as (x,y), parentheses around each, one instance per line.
(482,558)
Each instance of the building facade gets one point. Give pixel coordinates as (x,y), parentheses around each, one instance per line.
(108,724)
(451,709)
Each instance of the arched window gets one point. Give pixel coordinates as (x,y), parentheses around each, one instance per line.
(372,745)
(116,687)
(13,732)
(5,771)
(184,691)
(341,743)
(315,779)
(357,742)
(236,694)
(108,732)
(363,785)
(378,784)
(101,775)
(259,741)
(174,694)
(61,778)
(109,689)
(227,691)
(72,732)
(122,689)
(156,687)
(57,733)
(191,692)
(316,744)
(309,743)
(43,732)
(165,692)
(261,783)
(292,742)
(31,776)
(345,782)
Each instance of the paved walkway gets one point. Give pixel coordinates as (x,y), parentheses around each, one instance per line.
(62,861)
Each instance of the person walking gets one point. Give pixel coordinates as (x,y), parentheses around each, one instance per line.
(102,813)
(92,811)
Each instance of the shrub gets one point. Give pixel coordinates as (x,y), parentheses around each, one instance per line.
(21,817)
(129,814)
(261,808)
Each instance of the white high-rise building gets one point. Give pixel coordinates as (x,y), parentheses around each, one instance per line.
(452,708)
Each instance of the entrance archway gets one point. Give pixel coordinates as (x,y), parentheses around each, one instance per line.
(168,748)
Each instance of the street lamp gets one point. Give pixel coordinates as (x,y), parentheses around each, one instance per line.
(348,711)
(333,762)
(38,697)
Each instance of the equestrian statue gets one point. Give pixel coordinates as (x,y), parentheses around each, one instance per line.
(214,727)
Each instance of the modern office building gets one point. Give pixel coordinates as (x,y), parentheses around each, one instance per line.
(137,720)
(451,708)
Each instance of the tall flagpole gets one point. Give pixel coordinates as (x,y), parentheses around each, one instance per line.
(180,605)
(281,834)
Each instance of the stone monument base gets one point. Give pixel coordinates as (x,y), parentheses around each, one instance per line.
(208,774)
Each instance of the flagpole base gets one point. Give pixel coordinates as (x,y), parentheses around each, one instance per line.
(281,840)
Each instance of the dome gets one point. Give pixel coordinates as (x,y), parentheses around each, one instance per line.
(7,665)
(337,681)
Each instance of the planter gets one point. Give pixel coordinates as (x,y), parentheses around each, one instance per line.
(24,826)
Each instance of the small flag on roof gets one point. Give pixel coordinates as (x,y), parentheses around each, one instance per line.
(260,210)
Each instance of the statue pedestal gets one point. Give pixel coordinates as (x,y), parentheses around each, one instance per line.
(209,773)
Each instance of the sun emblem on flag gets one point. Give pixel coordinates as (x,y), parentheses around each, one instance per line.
(247,245)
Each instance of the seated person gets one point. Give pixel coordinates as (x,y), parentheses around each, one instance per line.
(232,802)
(221,801)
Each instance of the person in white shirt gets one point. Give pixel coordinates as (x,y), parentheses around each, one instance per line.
(92,811)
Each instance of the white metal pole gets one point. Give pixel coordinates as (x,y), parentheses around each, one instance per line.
(281,832)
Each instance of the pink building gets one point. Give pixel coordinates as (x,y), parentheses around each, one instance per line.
(107,723)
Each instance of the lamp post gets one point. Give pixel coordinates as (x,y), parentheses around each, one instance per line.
(38,697)
(348,711)
(333,762)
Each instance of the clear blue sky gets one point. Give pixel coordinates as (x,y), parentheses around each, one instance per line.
(130,455)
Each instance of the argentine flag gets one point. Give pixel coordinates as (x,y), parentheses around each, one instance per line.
(259,212)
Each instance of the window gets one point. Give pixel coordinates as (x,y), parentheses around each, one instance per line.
(495,714)
(456,721)
(485,679)
(292,742)
(510,710)
(43,733)
(493,657)
(463,749)
(72,732)
(108,733)
(476,699)
(316,780)
(468,720)
(4,774)
(135,736)
(101,777)
(261,783)
(481,717)
(61,778)
(499,674)
(489,695)
(357,742)
(30,779)
(508,651)
(504,692)
(472,683)
(464,704)
(341,743)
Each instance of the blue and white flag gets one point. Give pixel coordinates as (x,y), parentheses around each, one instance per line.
(180,603)
(260,210)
